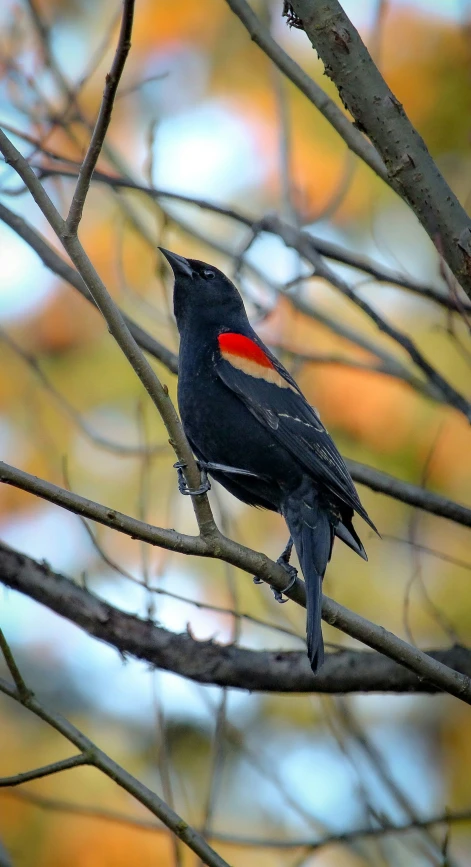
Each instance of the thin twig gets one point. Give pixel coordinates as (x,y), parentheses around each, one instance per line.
(101,814)
(196,603)
(62,269)
(272,224)
(69,410)
(98,759)
(355,731)
(119,330)
(23,691)
(380,114)
(332,113)
(103,119)
(301,242)
(45,771)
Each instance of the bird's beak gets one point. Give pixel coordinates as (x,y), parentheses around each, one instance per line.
(178,264)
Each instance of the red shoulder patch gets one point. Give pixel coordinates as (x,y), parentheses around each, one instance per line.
(245,355)
(243,347)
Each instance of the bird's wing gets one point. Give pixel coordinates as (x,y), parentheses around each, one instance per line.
(250,370)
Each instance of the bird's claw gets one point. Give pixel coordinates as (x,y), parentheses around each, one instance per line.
(182,484)
(278,594)
(293,574)
(283,561)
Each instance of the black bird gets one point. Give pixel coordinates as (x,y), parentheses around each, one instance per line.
(249,424)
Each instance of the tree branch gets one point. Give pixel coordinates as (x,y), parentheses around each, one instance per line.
(214,543)
(62,269)
(411,171)
(103,119)
(210,663)
(271,224)
(368,832)
(45,771)
(120,818)
(100,760)
(408,493)
(21,687)
(377,480)
(118,328)
(303,243)
(327,107)
(52,260)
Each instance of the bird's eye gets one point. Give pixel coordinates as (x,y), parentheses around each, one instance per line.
(210,275)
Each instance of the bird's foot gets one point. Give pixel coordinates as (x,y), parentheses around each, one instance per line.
(182,484)
(293,574)
(283,561)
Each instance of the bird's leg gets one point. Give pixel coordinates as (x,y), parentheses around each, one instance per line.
(284,558)
(182,485)
(204,467)
(283,561)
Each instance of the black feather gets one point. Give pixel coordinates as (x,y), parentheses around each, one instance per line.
(313,535)
(299,430)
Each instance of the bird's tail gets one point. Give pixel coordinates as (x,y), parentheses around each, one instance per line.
(312,534)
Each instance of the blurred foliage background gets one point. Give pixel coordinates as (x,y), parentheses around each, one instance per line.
(201,112)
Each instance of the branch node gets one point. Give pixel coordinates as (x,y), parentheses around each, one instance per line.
(24,694)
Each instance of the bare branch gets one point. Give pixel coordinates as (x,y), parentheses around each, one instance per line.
(385,275)
(411,171)
(118,328)
(272,224)
(388,829)
(42,802)
(225,665)
(436,387)
(69,410)
(103,119)
(109,517)
(367,832)
(126,781)
(374,479)
(413,495)
(100,813)
(332,113)
(301,242)
(333,358)
(62,269)
(45,39)
(15,672)
(45,771)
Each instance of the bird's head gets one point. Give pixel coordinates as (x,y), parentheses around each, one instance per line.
(202,293)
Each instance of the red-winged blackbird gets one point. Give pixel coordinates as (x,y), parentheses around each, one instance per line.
(250,426)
